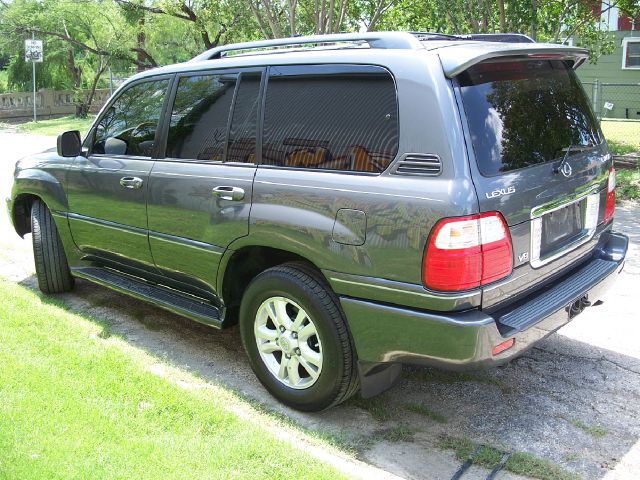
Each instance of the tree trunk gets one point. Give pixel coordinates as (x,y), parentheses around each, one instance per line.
(292,17)
(141,40)
(503,21)
(273,21)
(92,91)
(328,27)
(76,72)
(534,19)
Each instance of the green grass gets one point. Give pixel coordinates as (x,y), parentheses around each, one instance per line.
(399,433)
(425,411)
(622,137)
(628,184)
(519,462)
(376,406)
(79,404)
(56,126)
(596,431)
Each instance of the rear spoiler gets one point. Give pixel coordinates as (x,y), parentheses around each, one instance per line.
(460,57)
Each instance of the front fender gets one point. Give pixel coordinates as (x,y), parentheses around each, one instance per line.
(29,183)
(41,184)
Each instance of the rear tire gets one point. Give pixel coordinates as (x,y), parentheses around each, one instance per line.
(324,370)
(52,268)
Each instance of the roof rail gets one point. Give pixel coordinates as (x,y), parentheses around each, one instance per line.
(498,37)
(482,37)
(386,40)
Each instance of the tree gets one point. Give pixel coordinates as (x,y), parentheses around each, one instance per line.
(542,20)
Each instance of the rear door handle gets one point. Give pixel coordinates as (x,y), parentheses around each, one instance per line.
(228,193)
(131,182)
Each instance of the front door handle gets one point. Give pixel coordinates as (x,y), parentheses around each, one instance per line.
(228,193)
(131,182)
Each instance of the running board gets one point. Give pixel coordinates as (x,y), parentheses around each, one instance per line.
(164,297)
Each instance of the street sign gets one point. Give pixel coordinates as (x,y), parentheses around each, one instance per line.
(33,50)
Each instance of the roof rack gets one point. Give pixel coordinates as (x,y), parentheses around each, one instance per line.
(384,40)
(482,37)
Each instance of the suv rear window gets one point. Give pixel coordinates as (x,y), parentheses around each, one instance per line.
(523,113)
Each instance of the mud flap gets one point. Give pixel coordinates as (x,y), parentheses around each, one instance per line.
(375,378)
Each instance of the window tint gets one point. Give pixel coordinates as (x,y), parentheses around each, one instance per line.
(523,113)
(199,118)
(242,135)
(342,121)
(128,127)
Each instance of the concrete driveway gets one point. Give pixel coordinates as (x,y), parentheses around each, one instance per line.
(573,400)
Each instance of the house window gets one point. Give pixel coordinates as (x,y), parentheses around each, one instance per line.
(631,53)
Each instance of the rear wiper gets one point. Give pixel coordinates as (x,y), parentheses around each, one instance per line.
(566,155)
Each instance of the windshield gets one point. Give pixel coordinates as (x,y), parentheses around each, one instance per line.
(524,113)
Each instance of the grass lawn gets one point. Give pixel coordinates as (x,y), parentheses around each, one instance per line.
(628,184)
(622,137)
(57,125)
(78,403)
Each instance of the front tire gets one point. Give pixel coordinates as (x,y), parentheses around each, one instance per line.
(296,338)
(52,269)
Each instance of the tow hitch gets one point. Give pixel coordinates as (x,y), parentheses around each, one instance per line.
(578,306)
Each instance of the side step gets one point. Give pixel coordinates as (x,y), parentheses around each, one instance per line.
(164,297)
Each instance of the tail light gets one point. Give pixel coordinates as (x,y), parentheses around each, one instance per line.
(466,252)
(610,206)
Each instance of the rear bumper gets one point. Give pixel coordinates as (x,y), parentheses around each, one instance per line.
(464,340)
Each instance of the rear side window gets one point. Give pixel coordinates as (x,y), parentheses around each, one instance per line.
(128,126)
(200,115)
(523,113)
(242,134)
(338,118)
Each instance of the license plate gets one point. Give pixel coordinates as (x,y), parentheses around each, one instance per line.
(560,227)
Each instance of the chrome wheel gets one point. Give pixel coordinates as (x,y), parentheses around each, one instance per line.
(288,342)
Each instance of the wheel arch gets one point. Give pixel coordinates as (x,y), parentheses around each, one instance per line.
(21,212)
(240,266)
(31,184)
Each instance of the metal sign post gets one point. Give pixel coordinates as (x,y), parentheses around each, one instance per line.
(33,53)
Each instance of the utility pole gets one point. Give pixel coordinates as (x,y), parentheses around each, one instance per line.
(33,76)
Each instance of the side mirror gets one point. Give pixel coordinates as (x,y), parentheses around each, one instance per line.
(69,144)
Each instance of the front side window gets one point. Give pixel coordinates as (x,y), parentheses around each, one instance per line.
(198,128)
(524,113)
(128,126)
(345,119)
(631,53)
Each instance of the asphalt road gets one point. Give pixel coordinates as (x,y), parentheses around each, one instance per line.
(573,399)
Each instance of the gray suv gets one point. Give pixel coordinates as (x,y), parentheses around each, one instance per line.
(354,202)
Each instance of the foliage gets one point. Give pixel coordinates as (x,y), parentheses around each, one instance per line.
(78,402)
(85,37)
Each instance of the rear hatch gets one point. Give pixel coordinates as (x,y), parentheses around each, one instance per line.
(538,157)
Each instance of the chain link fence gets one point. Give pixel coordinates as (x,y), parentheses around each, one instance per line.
(614,100)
